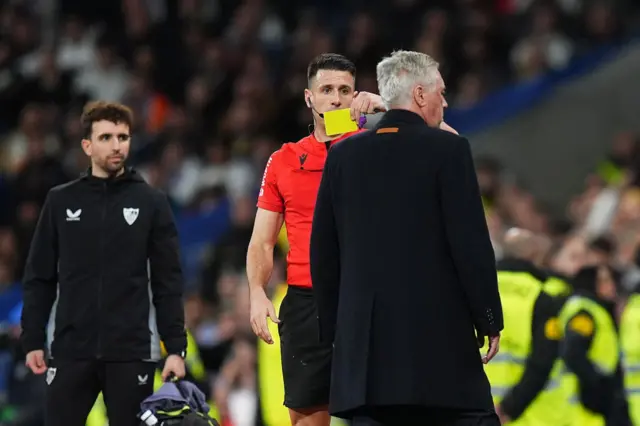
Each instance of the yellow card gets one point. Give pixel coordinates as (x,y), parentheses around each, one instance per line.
(339,121)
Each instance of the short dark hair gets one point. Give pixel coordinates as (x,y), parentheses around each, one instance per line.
(101,110)
(604,244)
(330,61)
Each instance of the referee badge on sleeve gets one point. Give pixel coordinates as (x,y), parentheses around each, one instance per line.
(51,374)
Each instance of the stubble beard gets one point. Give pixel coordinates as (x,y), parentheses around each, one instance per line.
(112,170)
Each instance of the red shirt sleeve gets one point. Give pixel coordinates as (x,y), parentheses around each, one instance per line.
(269,197)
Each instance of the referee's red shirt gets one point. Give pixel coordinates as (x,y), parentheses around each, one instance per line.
(290,186)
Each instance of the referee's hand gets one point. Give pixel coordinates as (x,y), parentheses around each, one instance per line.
(365,103)
(35,361)
(261,308)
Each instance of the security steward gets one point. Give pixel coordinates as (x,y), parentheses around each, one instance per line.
(630,340)
(104,264)
(590,349)
(525,375)
(557,283)
(566,260)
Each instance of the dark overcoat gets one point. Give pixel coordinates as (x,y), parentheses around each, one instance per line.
(403,269)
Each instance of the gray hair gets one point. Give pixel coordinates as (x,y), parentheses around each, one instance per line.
(399,73)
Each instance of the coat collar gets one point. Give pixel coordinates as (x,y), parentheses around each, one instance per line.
(129,175)
(398,117)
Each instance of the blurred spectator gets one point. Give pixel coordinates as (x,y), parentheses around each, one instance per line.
(149,106)
(10,298)
(601,251)
(76,45)
(30,141)
(545,47)
(106,78)
(601,25)
(235,388)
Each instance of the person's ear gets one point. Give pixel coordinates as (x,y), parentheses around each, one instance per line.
(307,97)
(87,146)
(419,96)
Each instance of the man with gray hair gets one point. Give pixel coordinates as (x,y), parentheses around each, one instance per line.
(403,268)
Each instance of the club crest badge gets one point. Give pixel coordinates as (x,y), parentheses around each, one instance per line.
(51,374)
(130,215)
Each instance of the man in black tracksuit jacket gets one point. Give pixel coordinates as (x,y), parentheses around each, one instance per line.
(103,273)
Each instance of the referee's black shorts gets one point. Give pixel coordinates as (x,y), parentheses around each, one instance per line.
(306,363)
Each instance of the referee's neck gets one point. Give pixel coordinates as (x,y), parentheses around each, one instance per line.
(320,133)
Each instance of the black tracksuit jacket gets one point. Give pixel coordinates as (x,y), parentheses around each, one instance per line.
(103,261)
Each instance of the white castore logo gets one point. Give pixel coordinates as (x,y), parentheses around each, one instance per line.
(73,216)
(142,380)
(130,215)
(51,374)
(264,176)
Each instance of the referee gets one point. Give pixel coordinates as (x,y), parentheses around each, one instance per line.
(103,261)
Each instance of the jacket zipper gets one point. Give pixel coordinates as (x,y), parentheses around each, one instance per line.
(101,257)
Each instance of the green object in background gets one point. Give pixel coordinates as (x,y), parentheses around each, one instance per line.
(610,173)
(8,414)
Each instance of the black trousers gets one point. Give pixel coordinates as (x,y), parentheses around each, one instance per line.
(395,415)
(73,387)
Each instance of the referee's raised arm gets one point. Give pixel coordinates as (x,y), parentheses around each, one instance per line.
(40,283)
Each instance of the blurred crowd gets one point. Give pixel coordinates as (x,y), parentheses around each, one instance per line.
(217,85)
(601,224)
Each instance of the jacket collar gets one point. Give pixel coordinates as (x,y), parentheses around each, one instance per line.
(129,175)
(513,264)
(399,117)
